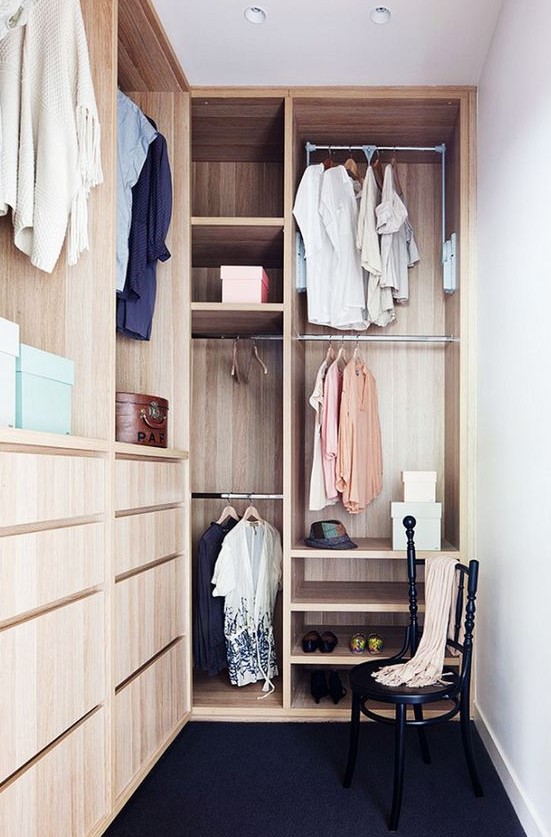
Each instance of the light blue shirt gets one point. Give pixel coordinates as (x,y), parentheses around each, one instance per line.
(134,135)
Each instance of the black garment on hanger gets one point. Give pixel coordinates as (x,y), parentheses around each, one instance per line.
(209,644)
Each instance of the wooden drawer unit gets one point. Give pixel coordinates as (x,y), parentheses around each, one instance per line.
(52,675)
(144,538)
(38,568)
(37,487)
(148,615)
(140,483)
(63,794)
(147,710)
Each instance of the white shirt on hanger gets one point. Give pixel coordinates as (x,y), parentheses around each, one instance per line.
(318,496)
(379,301)
(398,248)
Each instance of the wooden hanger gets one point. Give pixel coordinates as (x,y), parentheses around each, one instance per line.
(227,511)
(377,168)
(329,163)
(397,185)
(341,358)
(234,365)
(258,358)
(330,356)
(351,167)
(251,513)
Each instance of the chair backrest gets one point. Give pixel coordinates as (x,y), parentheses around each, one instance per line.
(460,634)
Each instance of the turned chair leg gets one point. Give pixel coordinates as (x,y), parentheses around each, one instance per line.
(465,723)
(425,752)
(399,750)
(353,741)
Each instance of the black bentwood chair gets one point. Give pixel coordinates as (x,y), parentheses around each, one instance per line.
(455,693)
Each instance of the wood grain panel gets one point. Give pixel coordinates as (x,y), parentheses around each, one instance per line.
(142,483)
(63,793)
(155,366)
(237,129)
(40,487)
(38,568)
(147,60)
(148,615)
(143,538)
(237,244)
(53,675)
(237,439)
(147,710)
(237,189)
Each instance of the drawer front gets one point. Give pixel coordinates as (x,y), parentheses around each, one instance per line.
(147,710)
(64,793)
(37,487)
(148,615)
(52,675)
(140,483)
(38,568)
(144,538)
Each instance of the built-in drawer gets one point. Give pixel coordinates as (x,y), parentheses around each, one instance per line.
(141,483)
(52,675)
(147,711)
(63,793)
(38,568)
(144,538)
(148,608)
(36,487)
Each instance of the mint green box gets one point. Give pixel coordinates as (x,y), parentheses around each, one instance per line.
(43,390)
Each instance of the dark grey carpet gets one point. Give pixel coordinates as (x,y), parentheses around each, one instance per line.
(284,780)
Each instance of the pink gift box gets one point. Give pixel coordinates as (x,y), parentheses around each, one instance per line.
(244,283)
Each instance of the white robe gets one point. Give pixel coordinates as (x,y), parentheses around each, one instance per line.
(398,247)
(247,573)
(379,301)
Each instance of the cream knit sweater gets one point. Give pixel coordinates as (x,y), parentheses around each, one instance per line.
(57,153)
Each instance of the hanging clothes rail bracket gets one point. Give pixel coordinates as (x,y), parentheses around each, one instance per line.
(379,338)
(449,277)
(233,495)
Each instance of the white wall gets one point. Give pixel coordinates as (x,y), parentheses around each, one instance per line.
(513,679)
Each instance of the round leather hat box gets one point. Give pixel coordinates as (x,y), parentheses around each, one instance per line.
(141,419)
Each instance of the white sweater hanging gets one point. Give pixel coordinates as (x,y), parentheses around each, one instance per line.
(58,155)
(13,13)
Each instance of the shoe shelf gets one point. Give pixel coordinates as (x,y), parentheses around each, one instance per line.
(216,696)
(362,596)
(377,548)
(342,655)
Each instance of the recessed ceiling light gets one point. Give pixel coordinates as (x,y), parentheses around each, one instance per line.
(380,14)
(255,14)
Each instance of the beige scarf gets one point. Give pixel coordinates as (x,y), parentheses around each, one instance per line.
(425,667)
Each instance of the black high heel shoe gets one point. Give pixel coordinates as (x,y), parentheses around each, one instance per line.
(318,685)
(336,689)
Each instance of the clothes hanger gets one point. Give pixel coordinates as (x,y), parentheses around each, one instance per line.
(330,356)
(329,163)
(251,513)
(258,358)
(341,359)
(397,185)
(357,355)
(351,167)
(234,365)
(377,168)
(227,511)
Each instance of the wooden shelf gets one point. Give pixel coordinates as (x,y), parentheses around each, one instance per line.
(247,241)
(225,318)
(367,597)
(125,449)
(367,548)
(216,696)
(41,439)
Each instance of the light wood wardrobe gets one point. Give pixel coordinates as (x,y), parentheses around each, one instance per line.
(248,155)
(94,606)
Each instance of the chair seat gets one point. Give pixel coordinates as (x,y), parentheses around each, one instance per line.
(364,684)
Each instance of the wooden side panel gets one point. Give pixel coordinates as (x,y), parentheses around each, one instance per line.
(53,675)
(144,538)
(38,568)
(148,615)
(147,710)
(39,487)
(62,794)
(140,483)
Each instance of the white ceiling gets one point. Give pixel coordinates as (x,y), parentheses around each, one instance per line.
(330,42)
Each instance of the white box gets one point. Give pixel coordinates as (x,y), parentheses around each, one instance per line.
(427,532)
(9,350)
(419,486)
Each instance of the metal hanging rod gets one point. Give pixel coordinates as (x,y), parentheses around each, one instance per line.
(380,338)
(369,150)
(232,495)
(259,337)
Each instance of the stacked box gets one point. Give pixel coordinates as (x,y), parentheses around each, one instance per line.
(9,350)
(419,486)
(44,386)
(427,534)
